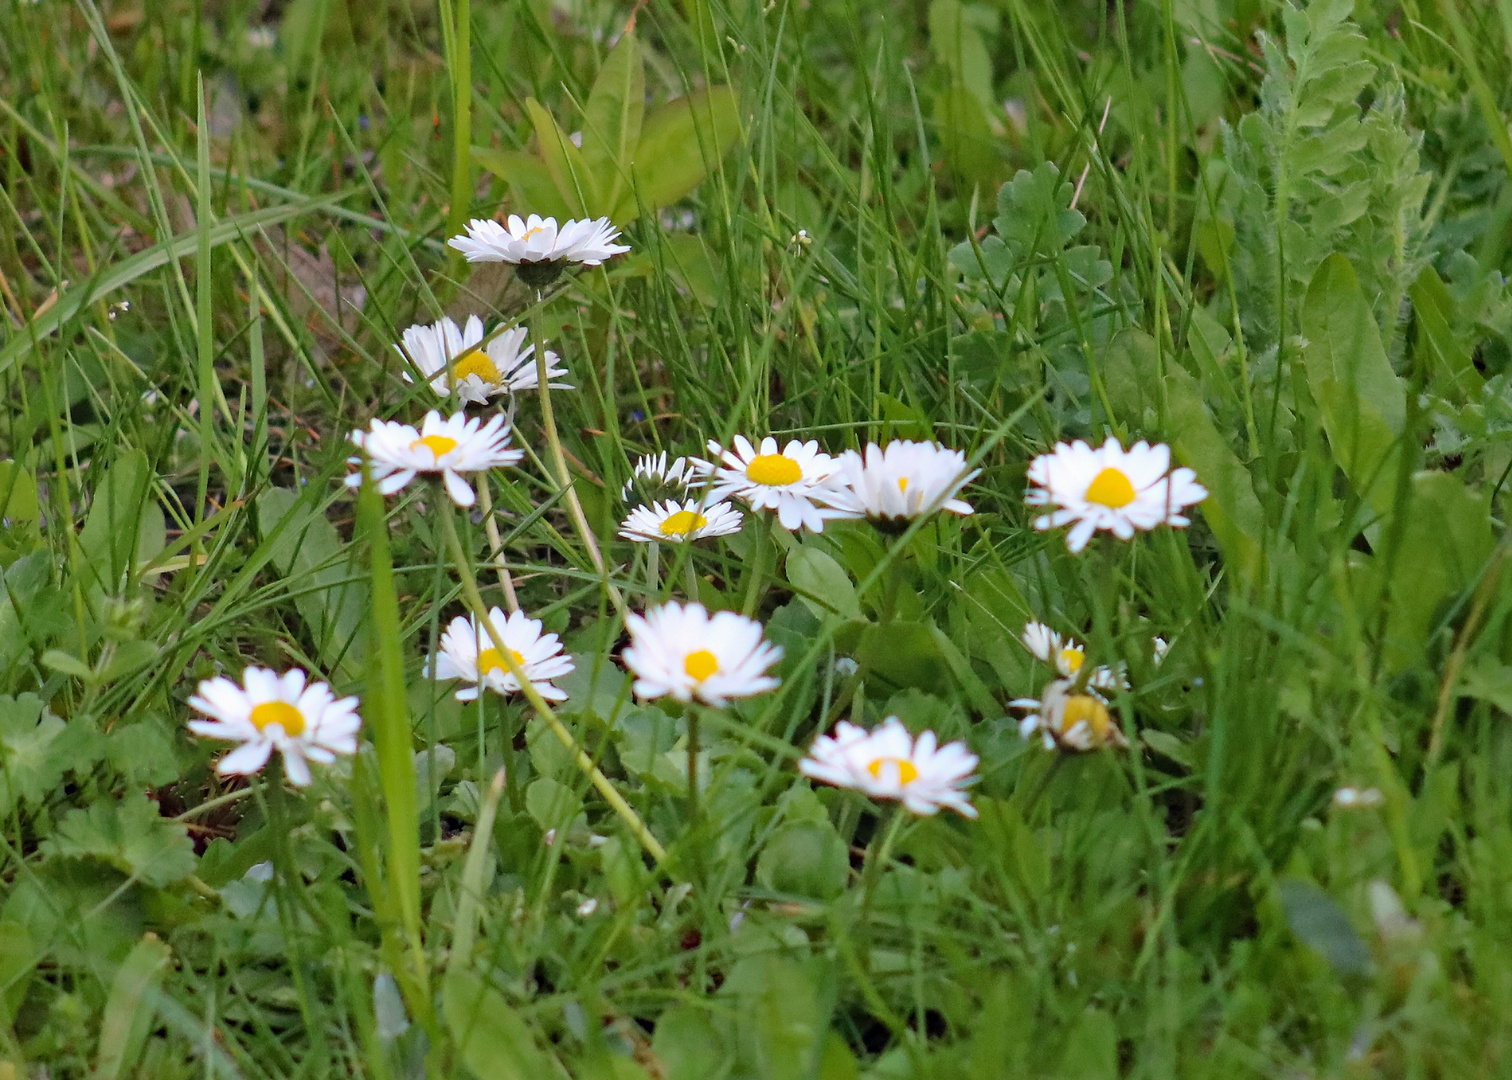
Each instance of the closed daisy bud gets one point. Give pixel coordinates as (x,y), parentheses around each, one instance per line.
(1071,717)
(459,360)
(302,720)
(888,764)
(654,480)
(448,448)
(681,651)
(798,482)
(468,653)
(1111,489)
(894,485)
(673,522)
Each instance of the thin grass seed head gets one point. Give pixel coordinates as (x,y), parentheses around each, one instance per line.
(460,360)
(304,721)
(468,654)
(447,448)
(682,651)
(888,763)
(539,248)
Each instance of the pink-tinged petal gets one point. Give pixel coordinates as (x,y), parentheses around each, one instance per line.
(295,766)
(245,760)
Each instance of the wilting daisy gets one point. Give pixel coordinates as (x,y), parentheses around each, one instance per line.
(468,653)
(302,720)
(892,486)
(1069,716)
(452,357)
(674,522)
(1110,488)
(683,651)
(653,479)
(1068,656)
(396,452)
(800,482)
(888,764)
(538,246)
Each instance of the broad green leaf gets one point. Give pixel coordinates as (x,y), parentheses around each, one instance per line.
(491,1039)
(781,1024)
(1034,212)
(20,514)
(130,835)
(129,1010)
(965,137)
(1091,1048)
(125,525)
(805,858)
(680,142)
(1452,371)
(564,161)
(530,182)
(822,583)
(1445,542)
(612,118)
(958,45)
(689,1046)
(31,770)
(552,803)
(1321,926)
(18,956)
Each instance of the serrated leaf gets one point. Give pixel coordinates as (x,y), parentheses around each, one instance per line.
(129,835)
(1034,212)
(27,736)
(680,142)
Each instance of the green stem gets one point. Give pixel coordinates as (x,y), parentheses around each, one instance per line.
(879,851)
(595,775)
(496,546)
(693,766)
(759,543)
(690,577)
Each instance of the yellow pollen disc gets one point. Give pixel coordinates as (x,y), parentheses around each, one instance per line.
(774,470)
(1111,488)
(682,523)
(436,444)
(490,660)
(701,664)
(907,771)
(476,363)
(1073,659)
(1086,707)
(281,713)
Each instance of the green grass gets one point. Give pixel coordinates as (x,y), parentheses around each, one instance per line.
(1286,259)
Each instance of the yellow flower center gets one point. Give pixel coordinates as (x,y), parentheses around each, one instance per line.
(907,771)
(701,664)
(490,660)
(774,470)
(1073,659)
(903,484)
(475,362)
(1111,488)
(682,523)
(1081,707)
(281,713)
(436,444)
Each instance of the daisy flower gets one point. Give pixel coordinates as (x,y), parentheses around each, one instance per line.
(538,246)
(1067,656)
(675,522)
(800,482)
(888,764)
(653,478)
(302,720)
(468,653)
(396,452)
(452,357)
(1069,716)
(892,486)
(1110,488)
(683,651)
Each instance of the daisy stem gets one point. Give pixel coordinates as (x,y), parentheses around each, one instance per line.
(693,749)
(880,850)
(653,569)
(595,775)
(690,577)
(559,460)
(496,547)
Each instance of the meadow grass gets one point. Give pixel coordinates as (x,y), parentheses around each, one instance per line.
(1271,236)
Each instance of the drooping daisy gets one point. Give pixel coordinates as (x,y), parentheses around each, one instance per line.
(396,452)
(1110,488)
(302,720)
(468,653)
(1069,716)
(1068,656)
(888,764)
(892,486)
(683,651)
(653,479)
(538,246)
(459,358)
(800,482)
(674,522)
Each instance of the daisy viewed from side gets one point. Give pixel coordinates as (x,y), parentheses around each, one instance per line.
(799,482)
(682,651)
(1069,716)
(302,720)
(397,452)
(891,486)
(889,764)
(1110,488)
(457,358)
(468,653)
(675,522)
(1067,656)
(539,246)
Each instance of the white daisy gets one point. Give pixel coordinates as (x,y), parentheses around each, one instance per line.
(1068,656)
(1110,488)
(452,357)
(682,650)
(396,452)
(892,486)
(1069,716)
(1159,646)
(538,245)
(800,482)
(302,721)
(653,477)
(674,522)
(888,764)
(468,653)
